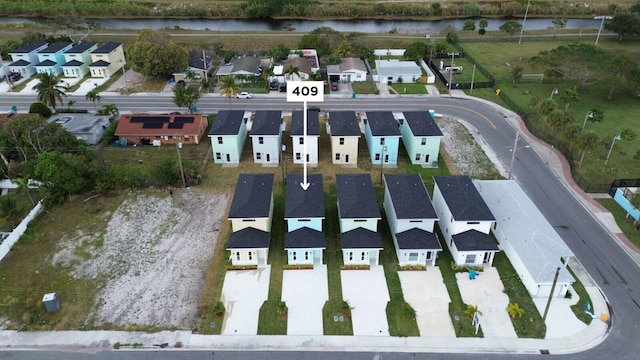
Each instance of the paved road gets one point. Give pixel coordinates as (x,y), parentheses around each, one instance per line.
(608,263)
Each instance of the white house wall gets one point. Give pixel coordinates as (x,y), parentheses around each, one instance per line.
(458,227)
(312,149)
(270,146)
(360,256)
(245,257)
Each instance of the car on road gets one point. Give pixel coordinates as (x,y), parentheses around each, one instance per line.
(244,95)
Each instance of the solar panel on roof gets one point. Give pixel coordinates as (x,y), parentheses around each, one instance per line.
(175,125)
(183,119)
(152,125)
(150,119)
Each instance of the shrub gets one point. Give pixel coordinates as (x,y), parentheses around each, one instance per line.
(41,109)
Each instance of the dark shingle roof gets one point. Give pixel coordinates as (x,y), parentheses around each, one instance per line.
(344,123)
(356,198)
(409,196)
(297,123)
(81,47)
(227,122)
(29,47)
(267,122)
(252,197)
(418,239)
(305,238)
(47,63)
(20,62)
(73,63)
(249,238)
(302,203)
(382,123)
(55,47)
(463,199)
(361,238)
(421,123)
(197,62)
(472,240)
(106,48)
(101,63)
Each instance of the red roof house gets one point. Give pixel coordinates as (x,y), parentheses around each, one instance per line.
(165,128)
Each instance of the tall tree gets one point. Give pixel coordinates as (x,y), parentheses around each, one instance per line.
(344,49)
(187,96)
(625,25)
(155,54)
(558,24)
(228,87)
(571,133)
(281,52)
(516,74)
(50,90)
(545,108)
(582,63)
(64,174)
(109,109)
(266,75)
(290,71)
(416,51)
(324,39)
(93,96)
(510,27)
(622,71)
(587,141)
(9,209)
(569,97)
(555,119)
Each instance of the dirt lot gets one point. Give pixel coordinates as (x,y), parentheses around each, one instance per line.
(154,258)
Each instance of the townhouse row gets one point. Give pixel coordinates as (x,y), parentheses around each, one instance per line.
(382,130)
(476,219)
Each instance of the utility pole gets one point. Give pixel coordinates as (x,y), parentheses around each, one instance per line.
(553,289)
(184,184)
(526,12)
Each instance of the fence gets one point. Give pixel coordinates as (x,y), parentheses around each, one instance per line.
(463,85)
(19,230)
(617,183)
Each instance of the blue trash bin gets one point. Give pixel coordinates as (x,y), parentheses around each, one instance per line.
(353,95)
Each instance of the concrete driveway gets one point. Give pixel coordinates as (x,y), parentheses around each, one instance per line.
(428,296)
(305,292)
(243,293)
(487,293)
(89,84)
(368,295)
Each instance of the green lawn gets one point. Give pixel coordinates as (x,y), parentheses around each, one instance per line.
(410,88)
(625,224)
(364,87)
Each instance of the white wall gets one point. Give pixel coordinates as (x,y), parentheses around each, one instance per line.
(312,149)
(19,230)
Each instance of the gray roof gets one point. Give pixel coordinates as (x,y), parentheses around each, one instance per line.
(29,47)
(100,63)
(246,64)
(20,62)
(78,124)
(252,197)
(531,236)
(418,239)
(382,123)
(347,64)
(73,63)
(249,238)
(227,122)
(409,196)
(106,48)
(305,238)
(55,47)
(333,69)
(356,198)
(302,203)
(344,123)
(46,63)
(473,240)
(396,67)
(198,62)
(360,238)
(267,122)
(81,47)
(313,124)
(463,199)
(421,123)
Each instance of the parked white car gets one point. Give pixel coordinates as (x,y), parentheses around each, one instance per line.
(244,95)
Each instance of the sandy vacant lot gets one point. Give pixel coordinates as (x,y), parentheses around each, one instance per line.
(154,258)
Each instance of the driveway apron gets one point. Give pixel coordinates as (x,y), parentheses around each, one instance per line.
(305,292)
(243,293)
(367,294)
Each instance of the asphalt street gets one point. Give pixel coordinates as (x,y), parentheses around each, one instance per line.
(610,266)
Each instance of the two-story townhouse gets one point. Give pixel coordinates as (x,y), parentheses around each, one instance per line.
(77,59)
(228,134)
(52,57)
(304,213)
(358,215)
(106,60)
(382,132)
(411,218)
(266,136)
(345,134)
(421,137)
(250,214)
(465,220)
(25,58)
(305,144)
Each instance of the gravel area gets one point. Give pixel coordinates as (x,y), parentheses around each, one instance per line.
(154,258)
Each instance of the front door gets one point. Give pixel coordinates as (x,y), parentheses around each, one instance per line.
(228,158)
(346,158)
(487,257)
(268,157)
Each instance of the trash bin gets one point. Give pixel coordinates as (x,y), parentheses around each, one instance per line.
(195,109)
(353,95)
(472,274)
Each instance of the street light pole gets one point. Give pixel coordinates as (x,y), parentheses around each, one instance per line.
(615,138)
(603,18)
(588,116)
(513,154)
(553,92)
(526,12)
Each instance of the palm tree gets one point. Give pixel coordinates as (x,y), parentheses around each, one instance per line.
(109,109)
(545,108)
(9,208)
(291,70)
(50,91)
(228,87)
(266,74)
(514,310)
(23,185)
(471,310)
(70,104)
(93,96)
(587,141)
(190,75)
(571,134)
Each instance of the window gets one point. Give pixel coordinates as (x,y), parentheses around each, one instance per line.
(337,156)
(219,139)
(362,256)
(258,156)
(417,157)
(298,157)
(413,256)
(381,141)
(260,140)
(341,141)
(471,259)
(415,221)
(301,140)
(248,220)
(359,220)
(238,255)
(295,256)
(304,220)
(377,157)
(218,156)
(306,255)
(424,141)
(250,255)
(473,222)
(350,256)
(186,138)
